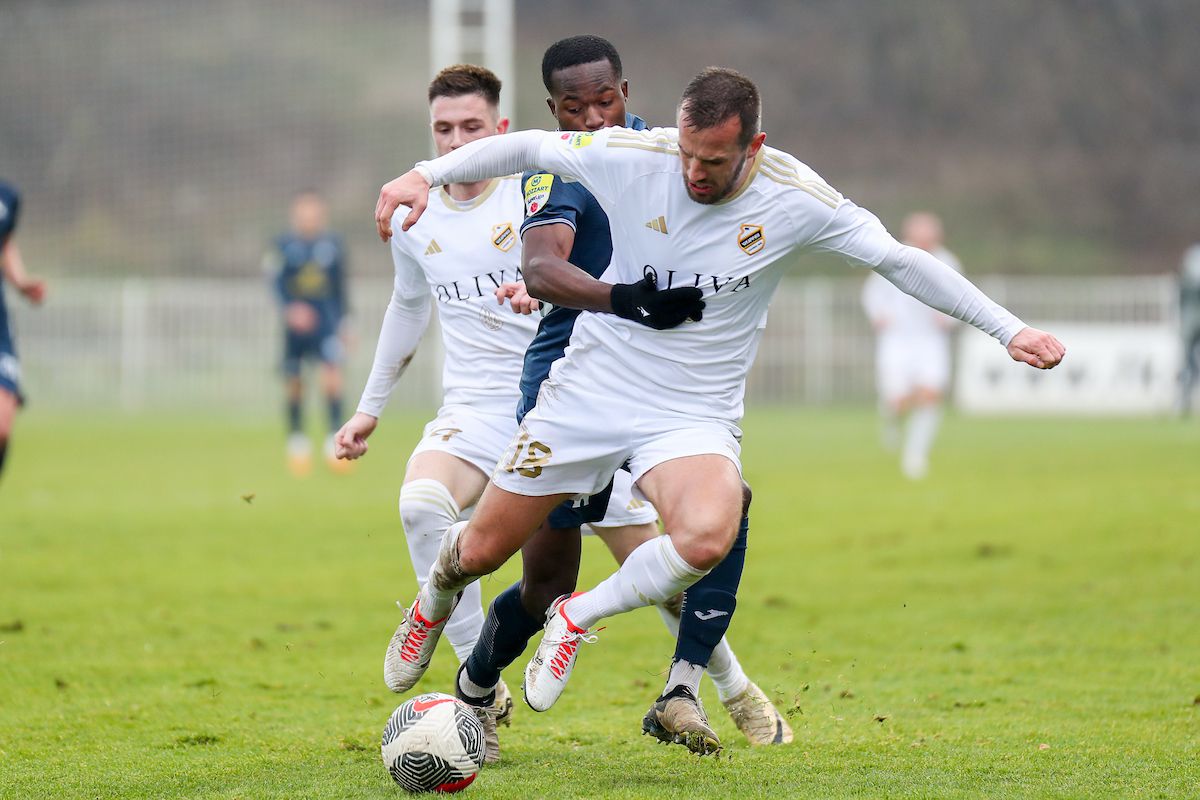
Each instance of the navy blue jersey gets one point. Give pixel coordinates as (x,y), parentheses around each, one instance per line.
(10,205)
(312,271)
(551,200)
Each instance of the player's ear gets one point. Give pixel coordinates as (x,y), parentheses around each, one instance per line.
(625,88)
(550,105)
(756,143)
(502,125)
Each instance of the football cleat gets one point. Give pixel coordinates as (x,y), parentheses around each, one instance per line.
(299,455)
(411,648)
(678,718)
(491,736)
(548,671)
(756,716)
(503,704)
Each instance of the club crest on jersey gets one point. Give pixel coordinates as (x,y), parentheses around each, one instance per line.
(503,237)
(490,319)
(537,192)
(750,239)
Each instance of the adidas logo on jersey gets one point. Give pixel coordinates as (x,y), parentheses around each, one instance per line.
(659,225)
(433,248)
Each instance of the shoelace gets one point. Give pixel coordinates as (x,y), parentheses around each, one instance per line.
(410,651)
(565,649)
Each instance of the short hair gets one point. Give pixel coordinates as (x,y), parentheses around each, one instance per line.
(576,50)
(463,79)
(717,94)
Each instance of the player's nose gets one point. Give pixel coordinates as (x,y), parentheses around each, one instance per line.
(594,119)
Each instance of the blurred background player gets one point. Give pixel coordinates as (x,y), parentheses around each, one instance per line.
(912,353)
(309,269)
(12,270)
(567,246)
(1189,326)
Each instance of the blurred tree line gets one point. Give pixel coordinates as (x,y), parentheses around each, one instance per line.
(156,137)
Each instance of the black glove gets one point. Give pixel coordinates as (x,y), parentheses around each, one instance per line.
(659,309)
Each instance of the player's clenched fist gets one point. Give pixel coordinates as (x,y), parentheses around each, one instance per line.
(410,189)
(1036,348)
(657,308)
(350,442)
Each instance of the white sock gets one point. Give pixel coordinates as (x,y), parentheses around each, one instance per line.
(726,672)
(670,620)
(472,689)
(684,673)
(723,666)
(653,573)
(427,511)
(918,440)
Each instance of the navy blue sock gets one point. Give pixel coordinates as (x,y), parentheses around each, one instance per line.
(335,414)
(3,451)
(709,603)
(293,415)
(506,631)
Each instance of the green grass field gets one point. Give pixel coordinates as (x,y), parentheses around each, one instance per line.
(1026,623)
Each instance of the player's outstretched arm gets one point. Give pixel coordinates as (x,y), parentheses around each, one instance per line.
(489,157)
(935,284)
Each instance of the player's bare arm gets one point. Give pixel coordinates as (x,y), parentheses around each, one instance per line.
(34,289)
(550,276)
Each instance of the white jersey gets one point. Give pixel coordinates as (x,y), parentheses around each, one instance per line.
(735,251)
(456,255)
(901,315)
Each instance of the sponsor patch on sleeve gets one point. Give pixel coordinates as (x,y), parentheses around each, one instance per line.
(577,140)
(537,192)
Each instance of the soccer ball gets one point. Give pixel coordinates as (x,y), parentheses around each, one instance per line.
(433,743)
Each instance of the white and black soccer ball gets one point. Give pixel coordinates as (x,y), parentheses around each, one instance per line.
(433,743)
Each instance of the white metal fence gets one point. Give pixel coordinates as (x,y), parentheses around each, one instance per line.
(138,344)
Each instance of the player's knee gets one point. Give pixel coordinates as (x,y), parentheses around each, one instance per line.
(537,593)
(426,508)
(706,547)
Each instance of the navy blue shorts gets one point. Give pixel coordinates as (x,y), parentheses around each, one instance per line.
(321,345)
(571,513)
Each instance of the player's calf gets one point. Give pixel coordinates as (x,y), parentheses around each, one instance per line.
(503,522)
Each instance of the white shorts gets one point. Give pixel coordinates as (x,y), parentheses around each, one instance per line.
(585,427)
(625,506)
(903,365)
(475,436)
